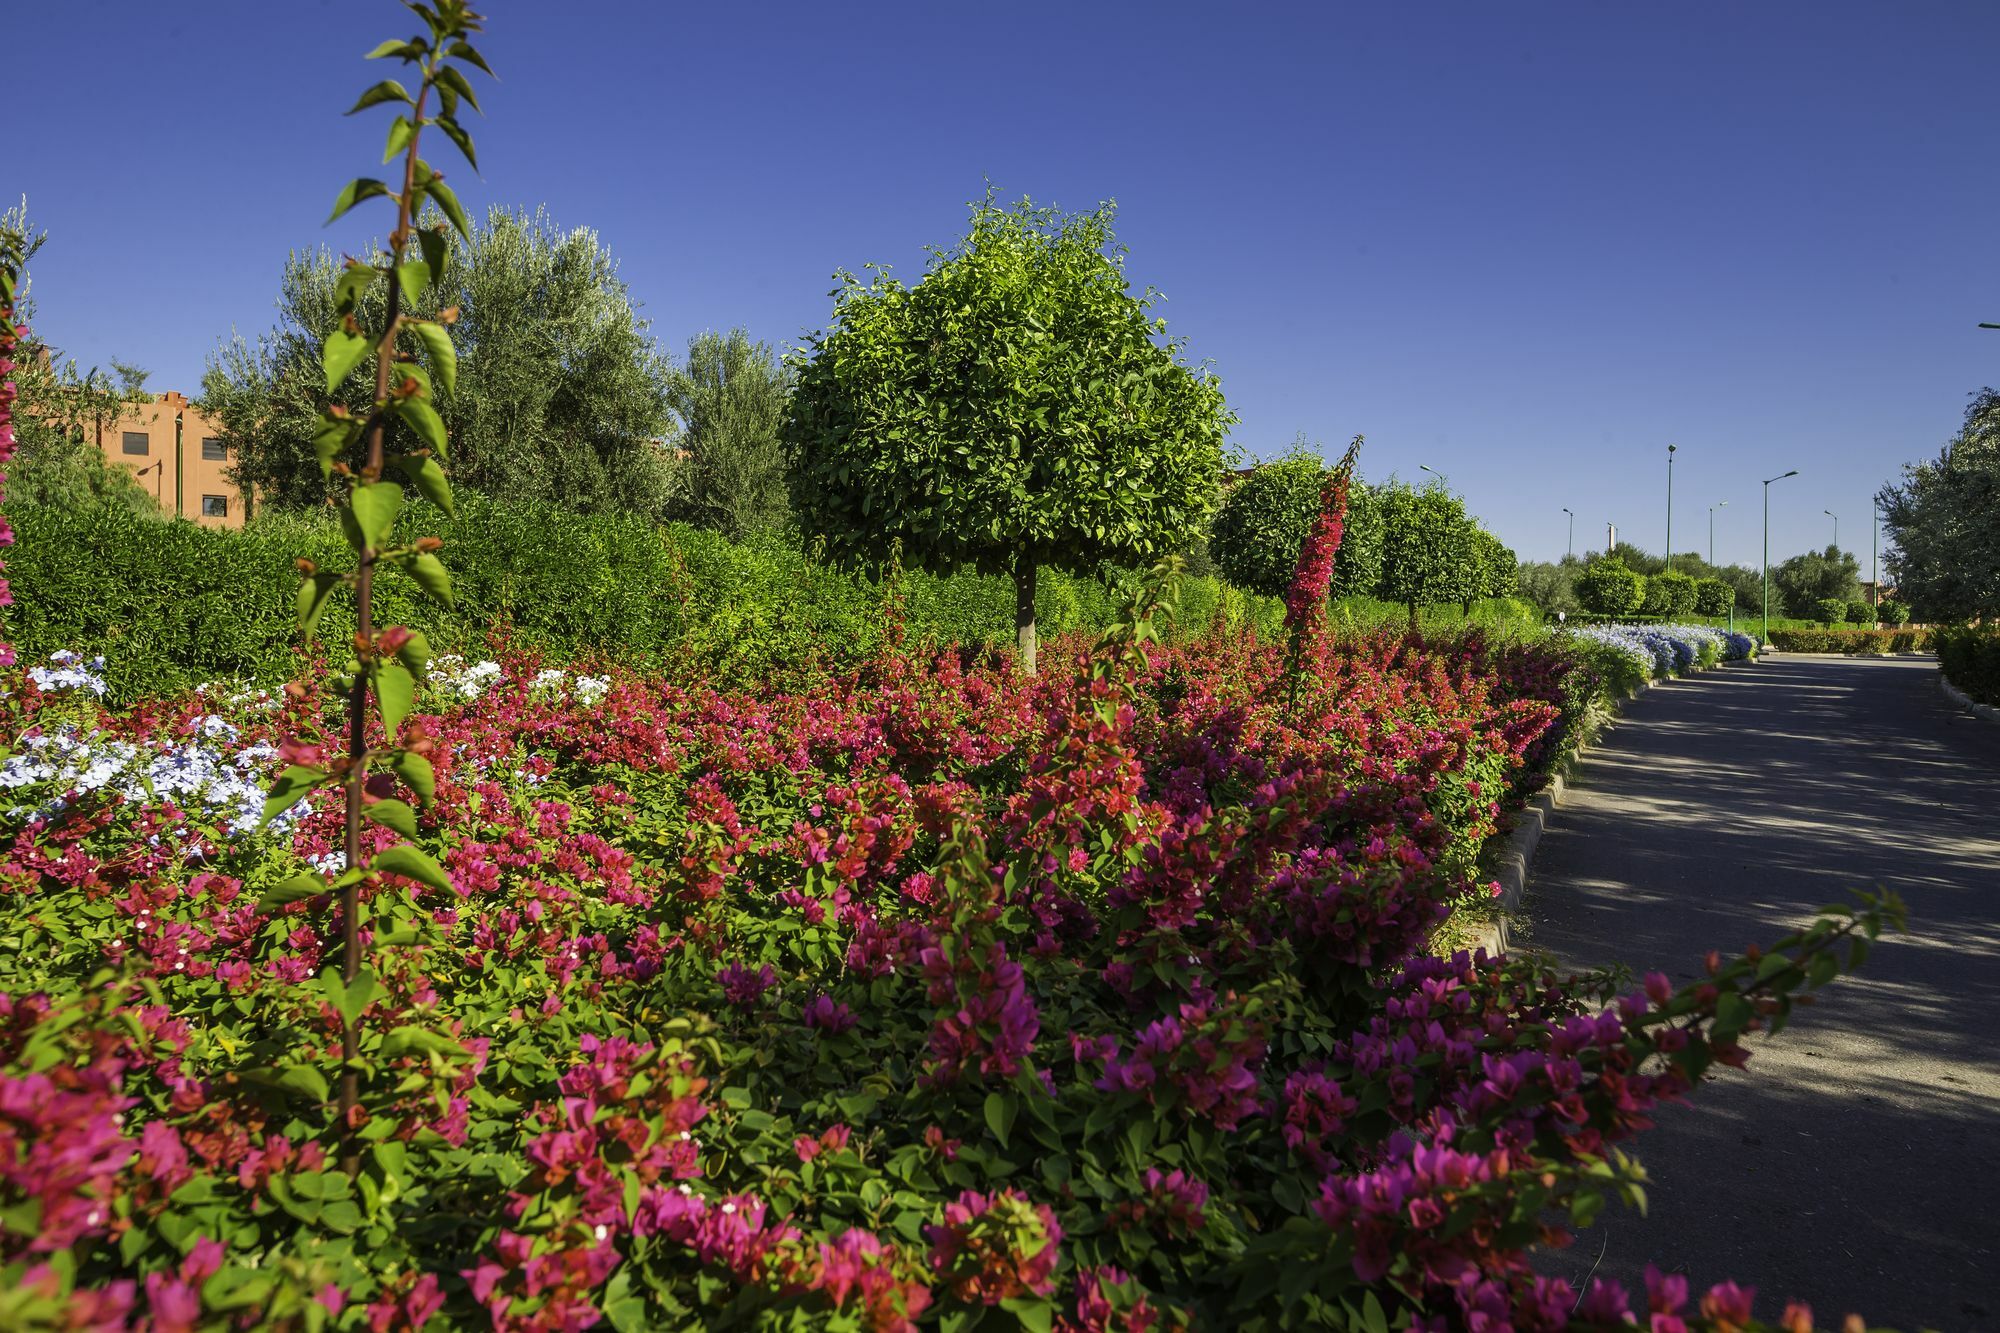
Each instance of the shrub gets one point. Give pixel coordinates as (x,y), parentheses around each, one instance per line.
(1830,611)
(1713,597)
(1893,613)
(1675,592)
(1607,588)
(1856,641)
(1860,613)
(1970,659)
(729,1015)
(171,605)
(1263,522)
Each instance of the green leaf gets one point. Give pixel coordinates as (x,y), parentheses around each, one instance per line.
(313,592)
(410,863)
(349,998)
(447,201)
(392,814)
(303,1079)
(454,79)
(355,191)
(386,91)
(392,47)
(403,1040)
(340,354)
(415,770)
(353,282)
(1732,1015)
(1000,1112)
(432,577)
(413,275)
(375,509)
(415,654)
(304,885)
(1036,1313)
(463,51)
(456,133)
(425,474)
(401,131)
(432,246)
(334,436)
(437,344)
(424,420)
(289,789)
(396,691)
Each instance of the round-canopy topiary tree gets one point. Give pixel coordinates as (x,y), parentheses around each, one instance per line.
(1673,593)
(1860,613)
(1607,588)
(1713,597)
(1428,550)
(1830,611)
(1893,613)
(1263,522)
(1018,407)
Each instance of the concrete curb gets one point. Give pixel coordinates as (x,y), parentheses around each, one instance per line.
(1959,699)
(1518,852)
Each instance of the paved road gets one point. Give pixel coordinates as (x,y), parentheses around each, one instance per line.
(1855,1163)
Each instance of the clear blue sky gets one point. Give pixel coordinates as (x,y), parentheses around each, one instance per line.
(1529,245)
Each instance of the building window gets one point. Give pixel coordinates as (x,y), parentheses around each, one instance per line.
(213,448)
(138,442)
(215,506)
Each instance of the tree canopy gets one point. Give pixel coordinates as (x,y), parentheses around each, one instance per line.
(1807,580)
(1257,535)
(1019,406)
(591,434)
(1943,522)
(1430,553)
(731,397)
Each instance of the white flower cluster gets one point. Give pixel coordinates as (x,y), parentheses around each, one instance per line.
(70,672)
(586,690)
(461,681)
(203,772)
(239,697)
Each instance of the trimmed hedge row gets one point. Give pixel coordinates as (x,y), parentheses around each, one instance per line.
(172,604)
(1970,658)
(1852,641)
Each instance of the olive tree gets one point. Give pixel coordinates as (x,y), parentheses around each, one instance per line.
(731,398)
(1018,407)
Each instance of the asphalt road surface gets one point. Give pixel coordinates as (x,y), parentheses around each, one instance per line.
(1855,1163)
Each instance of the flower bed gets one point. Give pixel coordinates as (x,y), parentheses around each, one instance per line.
(1094,1001)
(1640,652)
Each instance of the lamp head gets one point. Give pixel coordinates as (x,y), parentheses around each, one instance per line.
(1670,450)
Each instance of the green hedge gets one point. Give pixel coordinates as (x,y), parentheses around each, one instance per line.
(1852,641)
(1970,658)
(171,604)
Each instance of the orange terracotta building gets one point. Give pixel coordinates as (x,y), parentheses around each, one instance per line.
(177,454)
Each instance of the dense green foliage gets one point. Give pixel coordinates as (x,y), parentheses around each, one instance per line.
(1607,588)
(1256,537)
(561,393)
(1804,583)
(1674,593)
(1713,597)
(1855,641)
(171,605)
(1550,585)
(1017,408)
(1830,611)
(1893,613)
(731,397)
(1429,554)
(1970,658)
(1943,522)
(1860,613)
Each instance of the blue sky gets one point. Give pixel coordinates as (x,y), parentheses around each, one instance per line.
(1528,245)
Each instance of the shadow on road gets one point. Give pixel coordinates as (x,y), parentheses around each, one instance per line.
(1853,1164)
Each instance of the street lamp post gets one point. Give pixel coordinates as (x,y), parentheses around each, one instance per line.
(1572,531)
(1767,548)
(1719,504)
(1426,467)
(1670,509)
(1836,529)
(1874,554)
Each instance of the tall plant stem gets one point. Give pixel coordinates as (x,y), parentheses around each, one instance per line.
(364,630)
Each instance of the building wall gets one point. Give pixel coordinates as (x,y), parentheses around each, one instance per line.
(166,444)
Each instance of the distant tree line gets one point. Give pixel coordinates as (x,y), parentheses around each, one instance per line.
(1943,522)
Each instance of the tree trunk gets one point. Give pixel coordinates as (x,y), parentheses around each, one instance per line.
(1024,611)
(1413,616)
